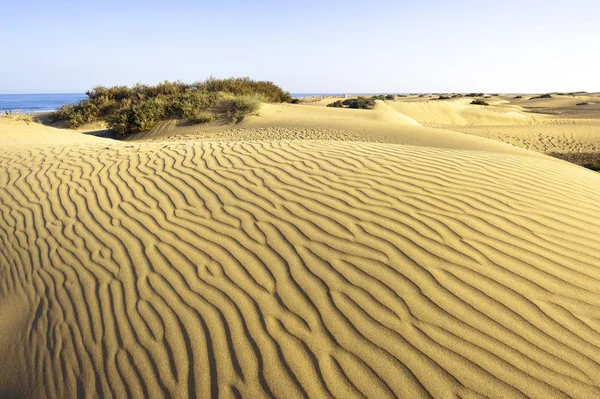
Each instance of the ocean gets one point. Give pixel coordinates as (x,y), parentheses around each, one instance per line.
(28,103)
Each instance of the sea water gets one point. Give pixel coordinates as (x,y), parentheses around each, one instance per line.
(28,103)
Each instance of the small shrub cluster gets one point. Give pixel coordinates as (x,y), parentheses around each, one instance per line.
(593,166)
(139,108)
(475,95)
(295,101)
(357,103)
(542,96)
(383,97)
(237,107)
(583,103)
(443,98)
(479,102)
(517,97)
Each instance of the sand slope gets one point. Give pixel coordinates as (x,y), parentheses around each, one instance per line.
(294,268)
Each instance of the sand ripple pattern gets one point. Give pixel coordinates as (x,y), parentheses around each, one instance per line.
(300,269)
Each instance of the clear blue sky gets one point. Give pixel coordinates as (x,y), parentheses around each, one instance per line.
(304,46)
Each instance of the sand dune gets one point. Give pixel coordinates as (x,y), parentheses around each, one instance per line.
(295,268)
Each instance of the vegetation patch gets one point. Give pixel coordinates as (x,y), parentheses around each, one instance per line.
(18,116)
(593,166)
(542,96)
(583,103)
(357,103)
(443,98)
(129,110)
(479,102)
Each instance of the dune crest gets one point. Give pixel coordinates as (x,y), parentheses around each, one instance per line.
(298,268)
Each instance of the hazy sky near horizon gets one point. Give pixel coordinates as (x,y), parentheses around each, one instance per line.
(304,46)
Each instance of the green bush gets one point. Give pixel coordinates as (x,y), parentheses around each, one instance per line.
(238,107)
(360,103)
(479,102)
(133,109)
(199,116)
(390,97)
(295,101)
(336,104)
(356,103)
(443,98)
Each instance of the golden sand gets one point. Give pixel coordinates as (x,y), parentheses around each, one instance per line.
(307,251)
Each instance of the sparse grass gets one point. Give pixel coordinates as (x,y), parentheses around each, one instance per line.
(139,108)
(18,116)
(479,102)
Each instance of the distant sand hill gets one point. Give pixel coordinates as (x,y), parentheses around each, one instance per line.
(306,252)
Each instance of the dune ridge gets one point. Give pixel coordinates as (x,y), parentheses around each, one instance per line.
(294,269)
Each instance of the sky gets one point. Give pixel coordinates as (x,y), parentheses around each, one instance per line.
(69,46)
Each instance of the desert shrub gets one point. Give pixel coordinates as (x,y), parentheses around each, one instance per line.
(479,102)
(199,116)
(401,95)
(542,96)
(138,108)
(518,97)
(443,98)
(336,104)
(390,97)
(360,103)
(583,103)
(475,95)
(378,97)
(356,103)
(593,166)
(245,86)
(238,107)
(295,101)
